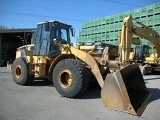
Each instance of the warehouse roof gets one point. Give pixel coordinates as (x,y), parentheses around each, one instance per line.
(8,35)
(18,30)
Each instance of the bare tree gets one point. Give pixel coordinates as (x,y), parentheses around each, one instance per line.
(3,27)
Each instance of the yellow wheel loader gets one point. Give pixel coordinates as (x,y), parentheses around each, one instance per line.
(71,69)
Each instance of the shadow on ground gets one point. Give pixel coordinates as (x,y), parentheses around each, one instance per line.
(91,94)
(93,91)
(155,78)
(40,81)
(155,94)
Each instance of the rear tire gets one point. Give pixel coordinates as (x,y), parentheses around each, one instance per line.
(69,78)
(20,72)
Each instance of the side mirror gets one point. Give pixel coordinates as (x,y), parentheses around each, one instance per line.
(72,32)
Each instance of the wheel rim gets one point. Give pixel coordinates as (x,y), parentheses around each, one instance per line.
(66,79)
(18,72)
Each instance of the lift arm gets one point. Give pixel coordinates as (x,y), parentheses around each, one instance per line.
(150,35)
(125,39)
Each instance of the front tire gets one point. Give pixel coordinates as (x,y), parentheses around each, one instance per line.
(20,72)
(69,78)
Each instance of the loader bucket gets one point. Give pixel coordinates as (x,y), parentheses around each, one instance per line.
(125,90)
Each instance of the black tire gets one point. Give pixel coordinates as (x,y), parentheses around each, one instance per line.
(69,78)
(20,72)
(50,77)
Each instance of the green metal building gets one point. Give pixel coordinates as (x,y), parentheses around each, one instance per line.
(106,29)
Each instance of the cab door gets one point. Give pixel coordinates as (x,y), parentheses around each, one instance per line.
(42,40)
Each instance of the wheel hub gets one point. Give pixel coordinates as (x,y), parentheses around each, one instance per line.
(66,79)
(18,72)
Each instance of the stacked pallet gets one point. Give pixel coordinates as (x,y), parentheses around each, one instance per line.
(106,29)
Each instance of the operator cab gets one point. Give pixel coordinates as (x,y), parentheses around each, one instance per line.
(49,37)
(141,51)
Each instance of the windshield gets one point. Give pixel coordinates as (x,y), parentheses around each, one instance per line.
(64,35)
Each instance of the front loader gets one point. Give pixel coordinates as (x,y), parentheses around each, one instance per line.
(71,68)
